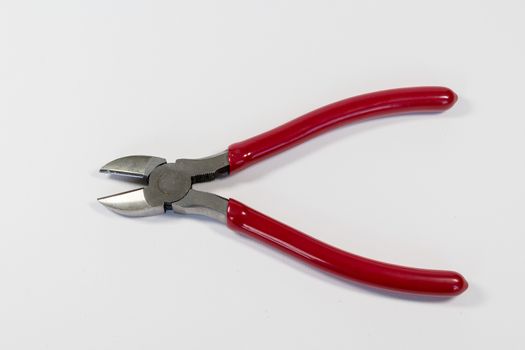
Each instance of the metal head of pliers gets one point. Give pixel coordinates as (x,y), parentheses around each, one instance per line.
(168,186)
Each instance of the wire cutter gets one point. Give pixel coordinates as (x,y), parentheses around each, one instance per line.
(168,186)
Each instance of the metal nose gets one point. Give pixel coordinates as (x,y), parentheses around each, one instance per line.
(131,203)
(133,166)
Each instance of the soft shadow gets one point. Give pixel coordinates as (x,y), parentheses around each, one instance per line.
(472,297)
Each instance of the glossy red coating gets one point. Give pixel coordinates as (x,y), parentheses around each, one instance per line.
(398,278)
(372,105)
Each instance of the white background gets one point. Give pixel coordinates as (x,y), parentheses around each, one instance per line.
(84,82)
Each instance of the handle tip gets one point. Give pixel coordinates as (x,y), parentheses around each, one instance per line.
(449,98)
(458,284)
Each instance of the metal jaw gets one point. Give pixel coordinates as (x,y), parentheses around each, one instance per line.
(168,186)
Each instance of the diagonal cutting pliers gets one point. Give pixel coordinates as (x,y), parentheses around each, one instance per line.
(168,186)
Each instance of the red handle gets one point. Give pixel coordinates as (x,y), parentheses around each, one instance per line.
(399,278)
(376,104)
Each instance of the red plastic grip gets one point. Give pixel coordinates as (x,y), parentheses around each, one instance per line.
(398,278)
(372,105)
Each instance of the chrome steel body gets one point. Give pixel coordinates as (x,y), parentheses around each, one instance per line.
(168,186)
